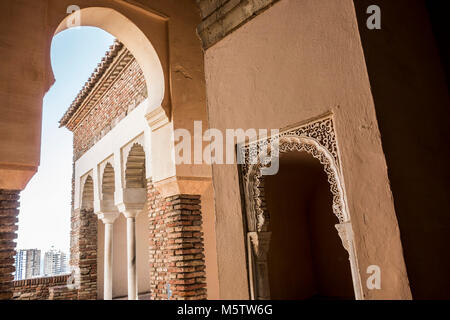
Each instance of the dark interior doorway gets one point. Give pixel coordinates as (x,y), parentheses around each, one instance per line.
(306,256)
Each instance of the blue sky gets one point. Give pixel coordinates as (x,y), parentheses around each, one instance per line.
(44,218)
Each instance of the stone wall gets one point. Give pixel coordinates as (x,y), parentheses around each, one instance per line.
(9,204)
(221,17)
(176,248)
(41,289)
(62,293)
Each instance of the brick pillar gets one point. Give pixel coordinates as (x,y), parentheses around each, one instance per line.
(9,204)
(176,246)
(83,252)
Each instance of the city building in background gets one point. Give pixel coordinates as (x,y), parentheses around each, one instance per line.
(28,264)
(55,262)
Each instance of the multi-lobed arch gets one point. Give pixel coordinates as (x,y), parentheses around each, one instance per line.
(150,32)
(108,182)
(139,43)
(87,197)
(319,140)
(135,167)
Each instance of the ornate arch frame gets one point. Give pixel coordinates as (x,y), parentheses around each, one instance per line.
(317,138)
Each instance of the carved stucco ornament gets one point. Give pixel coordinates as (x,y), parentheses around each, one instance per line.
(345,233)
(318,139)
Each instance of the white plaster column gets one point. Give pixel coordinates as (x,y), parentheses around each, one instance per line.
(131,254)
(108,219)
(345,232)
(133,203)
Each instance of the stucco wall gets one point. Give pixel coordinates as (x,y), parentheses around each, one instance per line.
(293,62)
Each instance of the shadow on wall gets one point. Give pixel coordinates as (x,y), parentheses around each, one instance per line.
(407,76)
(306,258)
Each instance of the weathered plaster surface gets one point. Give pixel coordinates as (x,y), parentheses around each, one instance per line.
(274,73)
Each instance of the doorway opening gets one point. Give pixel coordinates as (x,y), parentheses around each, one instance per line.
(306,259)
(299,239)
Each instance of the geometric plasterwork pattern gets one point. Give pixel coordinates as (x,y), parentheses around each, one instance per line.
(317,138)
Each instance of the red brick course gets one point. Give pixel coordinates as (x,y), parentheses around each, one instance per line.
(44,289)
(121,98)
(176,246)
(9,204)
(83,252)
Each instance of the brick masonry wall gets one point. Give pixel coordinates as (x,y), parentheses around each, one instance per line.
(62,293)
(83,252)
(120,99)
(39,288)
(221,17)
(9,204)
(176,247)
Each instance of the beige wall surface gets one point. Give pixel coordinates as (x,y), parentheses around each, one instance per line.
(150,30)
(21,90)
(296,61)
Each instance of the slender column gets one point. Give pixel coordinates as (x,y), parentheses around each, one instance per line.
(108,219)
(107,289)
(345,232)
(134,200)
(131,254)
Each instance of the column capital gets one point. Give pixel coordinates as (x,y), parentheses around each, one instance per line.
(182,185)
(345,232)
(131,213)
(108,217)
(15,177)
(133,200)
(157,118)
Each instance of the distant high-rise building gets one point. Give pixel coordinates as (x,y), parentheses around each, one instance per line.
(28,264)
(55,262)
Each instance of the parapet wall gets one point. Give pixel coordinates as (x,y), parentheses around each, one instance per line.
(43,288)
